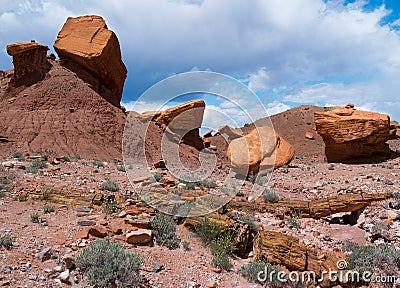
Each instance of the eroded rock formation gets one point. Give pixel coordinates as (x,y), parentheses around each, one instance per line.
(353,136)
(87,42)
(30,62)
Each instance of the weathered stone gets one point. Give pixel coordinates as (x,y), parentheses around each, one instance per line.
(86,222)
(140,236)
(46,254)
(353,136)
(309,135)
(98,231)
(87,41)
(30,62)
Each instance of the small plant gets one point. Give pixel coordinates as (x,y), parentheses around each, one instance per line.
(48,208)
(107,264)
(331,167)
(36,166)
(47,192)
(252,271)
(186,245)
(6,241)
(98,163)
(387,166)
(22,198)
(111,206)
(110,185)
(2,193)
(19,156)
(208,184)
(77,157)
(252,225)
(382,258)
(66,158)
(208,230)
(270,195)
(293,221)
(35,217)
(221,249)
(164,229)
(121,168)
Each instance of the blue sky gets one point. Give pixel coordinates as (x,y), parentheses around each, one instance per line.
(289,53)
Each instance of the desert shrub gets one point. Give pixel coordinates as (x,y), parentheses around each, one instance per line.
(66,158)
(35,217)
(18,155)
(111,206)
(208,230)
(208,183)
(110,185)
(270,195)
(164,229)
(221,249)
(157,177)
(253,269)
(77,156)
(294,222)
(121,168)
(6,241)
(98,163)
(36,166)
(47,192)
(186,245)
(331,167)
(48,208)
(22,198)
(252,225)
(382,258)
(107,264)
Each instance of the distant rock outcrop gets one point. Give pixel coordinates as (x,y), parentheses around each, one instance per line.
(30,62)
(353,136)
(87,42)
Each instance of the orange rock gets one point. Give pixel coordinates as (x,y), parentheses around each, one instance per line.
(87,41)
(140,236)
(309,135)
(353,135)
(284,152)
(83,234)
(98,231)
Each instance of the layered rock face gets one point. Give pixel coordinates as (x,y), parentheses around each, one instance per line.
(87,42)
(30,62)
(353,136)
(259,151)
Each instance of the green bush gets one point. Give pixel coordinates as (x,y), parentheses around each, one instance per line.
(98,163)
(252,225)
(208,184)
(221,249)
(36,166)
(293,221)
(66,158)
(35,217)
(111,206)
(382,258)
(6,241)
(252,270)
(111,185)
(77,156)
(121,168)
(164,229)
(2,192)
(107,264)
(19,156)
(186,245)
(270,195)
(48,208)
(22,198)
(47,192)
(208,230)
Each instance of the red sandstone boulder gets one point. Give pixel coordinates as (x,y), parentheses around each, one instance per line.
(88,42)
(353,136)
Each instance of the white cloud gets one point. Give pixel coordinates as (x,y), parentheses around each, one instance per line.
(293,41)
(259,81)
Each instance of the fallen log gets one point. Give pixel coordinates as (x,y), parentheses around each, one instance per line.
(310,208)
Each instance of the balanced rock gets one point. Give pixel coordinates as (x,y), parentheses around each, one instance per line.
(30,62)
(88,42)
(353,136)
(259,150)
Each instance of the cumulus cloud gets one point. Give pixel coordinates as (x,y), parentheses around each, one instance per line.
(311,51)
